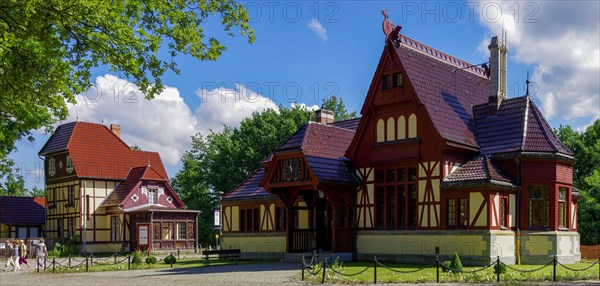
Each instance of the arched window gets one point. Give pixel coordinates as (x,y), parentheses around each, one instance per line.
(412,126)
(380,131)
(391,129)
(401,127)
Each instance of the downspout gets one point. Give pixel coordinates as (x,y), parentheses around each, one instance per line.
(518,212)
(356,220)
(196,232)
(151,238)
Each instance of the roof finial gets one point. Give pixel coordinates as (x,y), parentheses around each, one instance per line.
(527,82)
(391,32)
(148,162)
(77,117)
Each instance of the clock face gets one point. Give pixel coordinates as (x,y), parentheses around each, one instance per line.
(291,169)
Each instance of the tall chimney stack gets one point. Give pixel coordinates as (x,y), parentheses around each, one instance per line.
(324,116)
(116,129)
(498,51)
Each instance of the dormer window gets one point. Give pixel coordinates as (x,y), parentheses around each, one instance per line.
(398,80)
(69,167)
(386,82)
(152,196)
(51,167)
(392,81)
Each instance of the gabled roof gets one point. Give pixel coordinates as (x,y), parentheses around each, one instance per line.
(23,210)
(350,124)
(250,188)
(518,126)
(319,140)
(96,152)
(332,170)
(323,146)
(476,173)
(132,182)
(448,88)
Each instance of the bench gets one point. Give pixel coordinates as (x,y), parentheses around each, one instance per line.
(223,253)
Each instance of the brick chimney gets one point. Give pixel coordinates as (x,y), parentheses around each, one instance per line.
(498,51)
(116,129)
(324,116)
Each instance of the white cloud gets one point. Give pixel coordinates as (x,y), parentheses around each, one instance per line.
(223,106)
(315,26)
(560,39)
(313,107)
(163,124)
(166,123)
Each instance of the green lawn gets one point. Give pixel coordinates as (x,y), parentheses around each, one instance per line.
(419,274)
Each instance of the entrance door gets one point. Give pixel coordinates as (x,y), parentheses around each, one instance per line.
(323,224)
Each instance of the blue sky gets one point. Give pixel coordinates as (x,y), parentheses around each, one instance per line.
(305,51)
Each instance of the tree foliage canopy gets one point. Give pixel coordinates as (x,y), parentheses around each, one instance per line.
(586,177)
(48,48)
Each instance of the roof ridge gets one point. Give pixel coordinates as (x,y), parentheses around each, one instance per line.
(332,126)
(441,56)
(525,124)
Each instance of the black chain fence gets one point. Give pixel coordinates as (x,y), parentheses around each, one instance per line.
(315,267)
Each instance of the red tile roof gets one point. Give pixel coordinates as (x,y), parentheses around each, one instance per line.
(350,124)
(323,146)
(23,210)
(518,126)
(133,181)
(446,87)
(319,140)
(480,170)
(96,152)
(250,188)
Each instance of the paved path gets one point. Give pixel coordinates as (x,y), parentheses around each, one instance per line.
(244,274)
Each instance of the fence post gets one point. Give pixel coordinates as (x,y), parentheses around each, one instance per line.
(128,262)
(69,260)
(178,254)
(53,264)
(86,264)
(115,257)
(45,265)
(92,259)
(554,268)
(375,270)
(324,269)
(498,269)
(302,265)
(437,269)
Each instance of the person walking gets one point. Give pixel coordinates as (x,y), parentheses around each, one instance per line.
(41,252)
(23,253)
(8,248)
(15,255)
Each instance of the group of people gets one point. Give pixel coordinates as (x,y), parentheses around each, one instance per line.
(16,252)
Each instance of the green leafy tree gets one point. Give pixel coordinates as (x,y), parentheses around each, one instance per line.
(586,177)
(13,185)
(48,48)
(36,192)
(338,107)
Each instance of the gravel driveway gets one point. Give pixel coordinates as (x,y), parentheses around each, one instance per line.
(246,274)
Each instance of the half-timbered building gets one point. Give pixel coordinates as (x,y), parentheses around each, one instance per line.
(441,161)
(109,197)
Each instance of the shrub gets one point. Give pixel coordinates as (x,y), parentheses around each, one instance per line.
(446,267)
(502,267)
(137,260)
(151,259)
(455,264)
(170,259)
